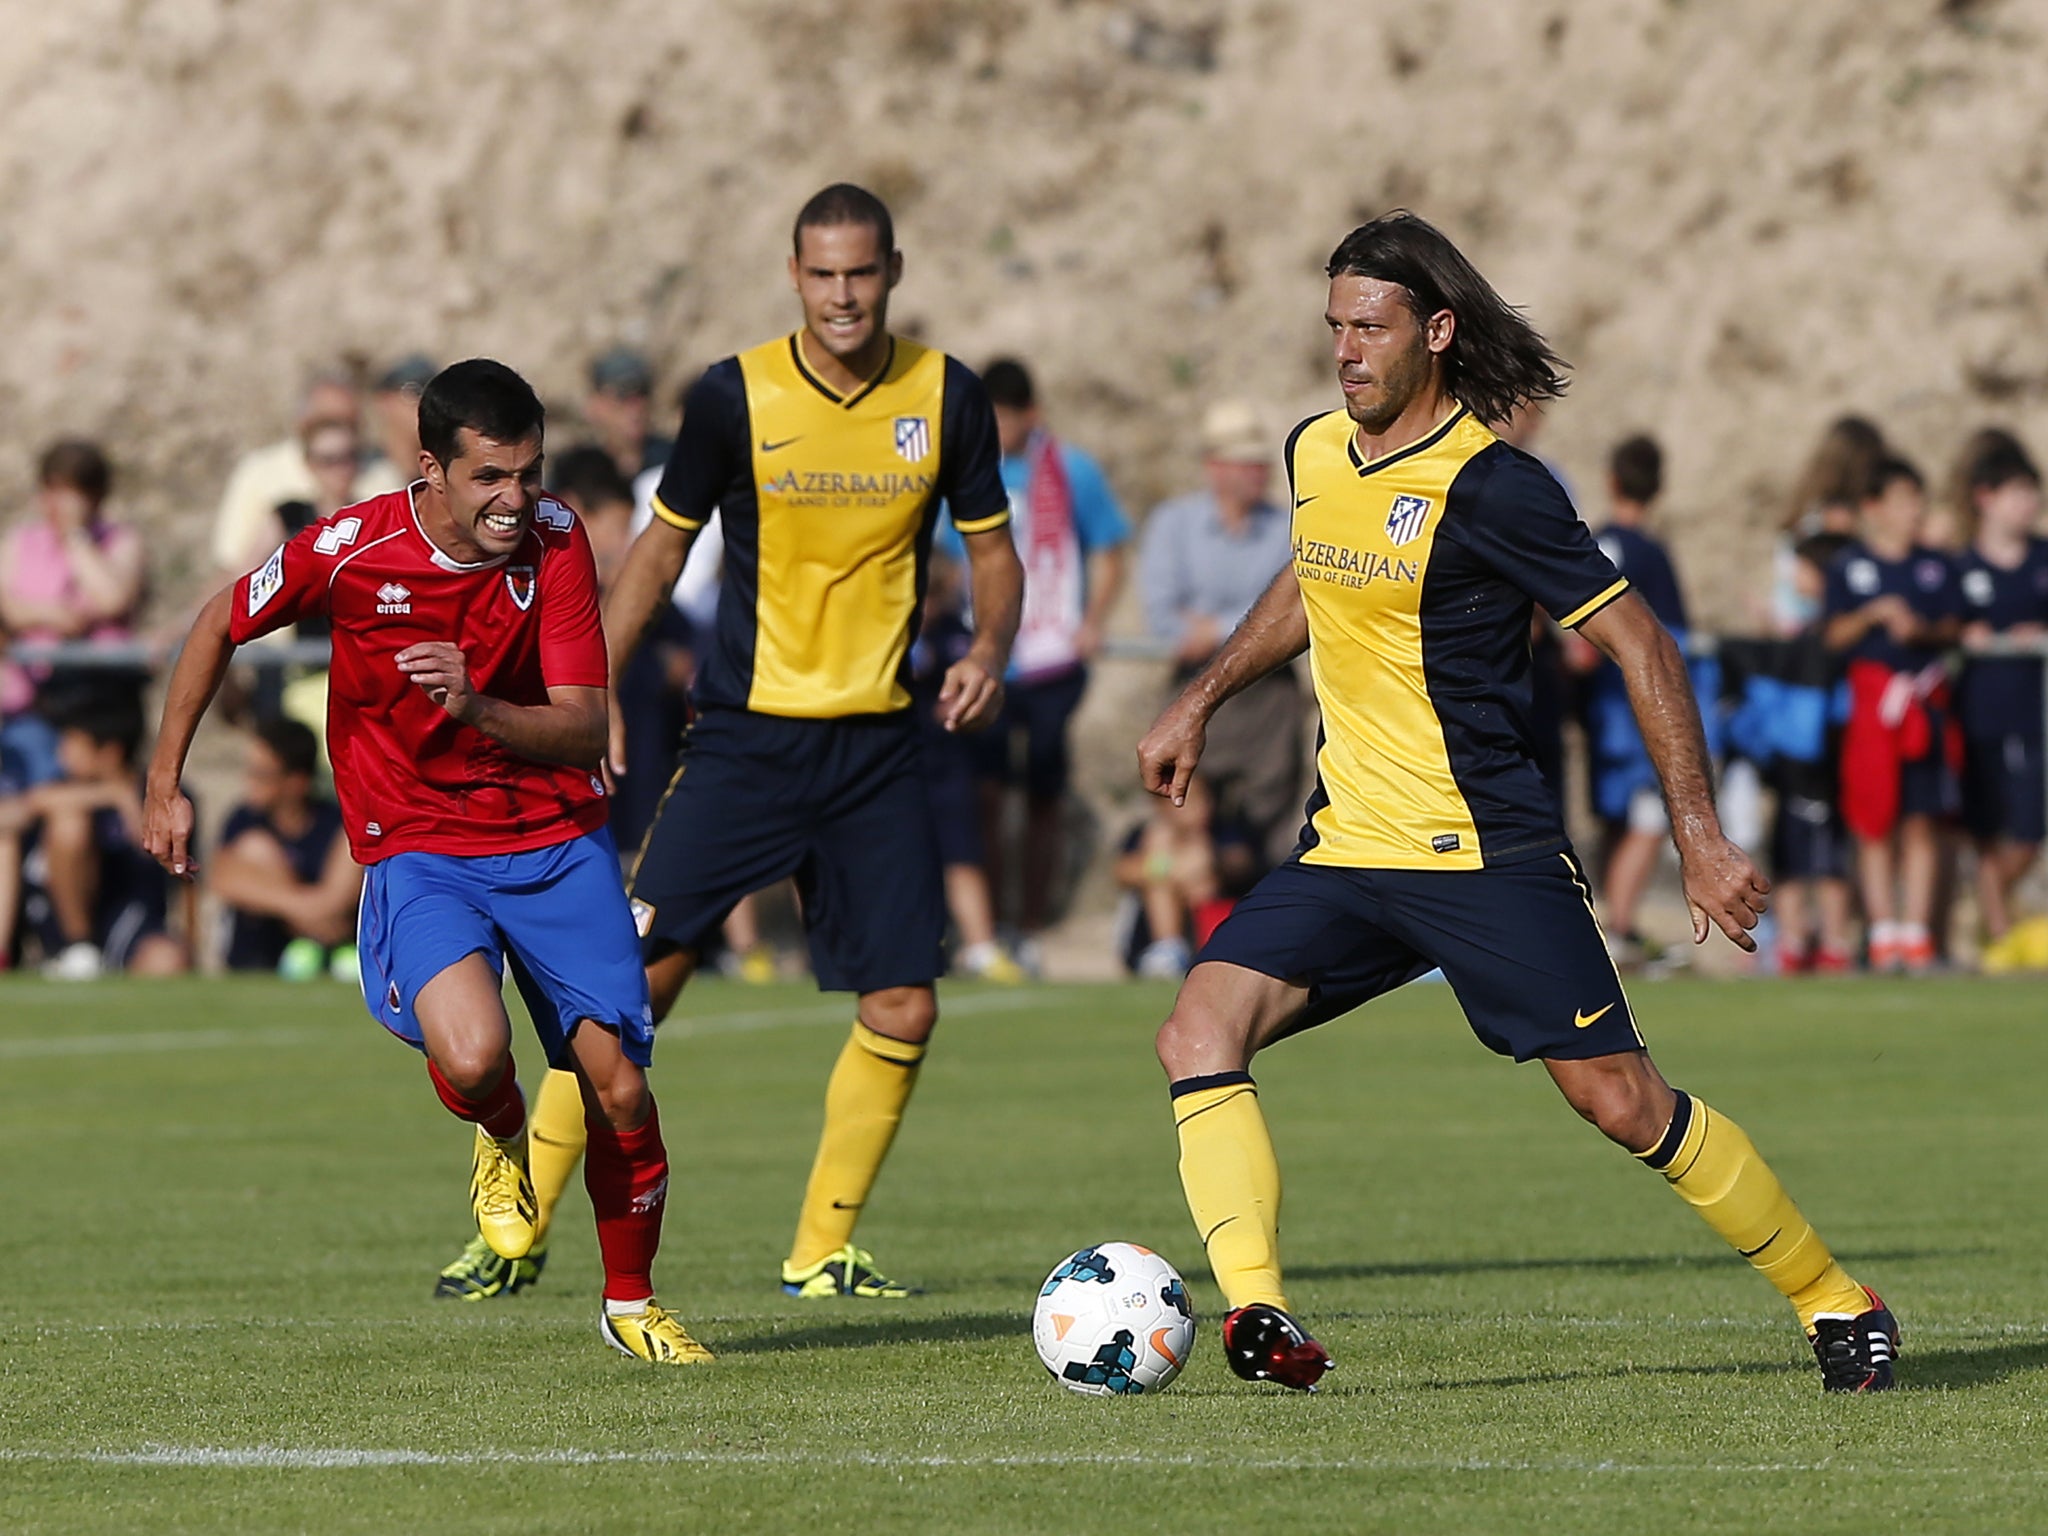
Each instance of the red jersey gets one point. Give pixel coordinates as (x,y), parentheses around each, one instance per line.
(411,778)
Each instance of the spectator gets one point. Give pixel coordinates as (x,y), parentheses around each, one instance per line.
(1071,534)
(1205,559)
(617,409)
(68,573)
(948,760)
(99,902)
(652,692)
(1827,498)
(1625,793)
(283,870)
(1182,870)
(395,420)
(267,477)
(2004,582)
(1892,607)
(1794,738)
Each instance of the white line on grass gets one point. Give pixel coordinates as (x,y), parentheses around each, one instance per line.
(346,1458)
(157,1040)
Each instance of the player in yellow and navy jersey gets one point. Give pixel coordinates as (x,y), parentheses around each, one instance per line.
(1420,543)
(828,455)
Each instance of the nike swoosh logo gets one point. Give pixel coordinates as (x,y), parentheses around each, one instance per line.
(1305,501)
(843,1205)
(768,447)
(1585,1019)
(1750,1253)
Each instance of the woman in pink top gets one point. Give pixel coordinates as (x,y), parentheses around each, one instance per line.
(67,574)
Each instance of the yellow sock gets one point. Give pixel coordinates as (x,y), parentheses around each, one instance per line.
(863,1105)
(554,1144)
(1717,1171)
(1232,1181)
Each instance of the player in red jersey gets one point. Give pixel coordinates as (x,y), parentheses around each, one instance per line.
(466,721)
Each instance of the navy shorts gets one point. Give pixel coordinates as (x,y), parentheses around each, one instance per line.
(1808,840)
(1519,945)
(1039,712)
(557,914)
(2004,794)
(839,804)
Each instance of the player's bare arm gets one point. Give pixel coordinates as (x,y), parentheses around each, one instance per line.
(166,813)
(645,580)
(972,695)
(1722,886)
(1272,635)
(568,729)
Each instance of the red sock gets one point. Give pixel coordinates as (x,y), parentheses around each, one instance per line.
(501,1112)
(626,1173)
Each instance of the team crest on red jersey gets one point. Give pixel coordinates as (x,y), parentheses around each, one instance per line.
(519,581)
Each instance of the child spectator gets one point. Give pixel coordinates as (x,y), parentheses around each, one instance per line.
(283,871)
(1625,792)
(1892,607)
(1182,869)
(1826,499)
(68,573)
(99,902)
(1788,724)
(2004,582)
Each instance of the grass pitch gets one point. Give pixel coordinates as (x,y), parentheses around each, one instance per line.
(225,1205)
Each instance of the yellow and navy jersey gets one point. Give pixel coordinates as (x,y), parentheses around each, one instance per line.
(1418,571)
(828,502)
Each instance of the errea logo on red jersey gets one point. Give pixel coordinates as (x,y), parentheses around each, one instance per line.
(392,598)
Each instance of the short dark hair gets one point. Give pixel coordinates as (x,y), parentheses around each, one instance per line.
(844,203)
(1497,359)
(78,464)
(590,477)
(292,743)
(484,396)
(1007,383)
(1888,471)
(103,715)
(1998,464)
(1637,465)
(1820,549)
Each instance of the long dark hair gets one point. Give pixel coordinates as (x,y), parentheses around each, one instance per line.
(1497,359)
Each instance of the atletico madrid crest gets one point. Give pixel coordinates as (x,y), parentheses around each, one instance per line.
(1406,517)
(913,438)
(519,580)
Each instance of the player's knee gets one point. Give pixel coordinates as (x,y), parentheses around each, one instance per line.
(901,1013)
(1187,1043)
(1629,1109)
(623,1100)
(472,1070)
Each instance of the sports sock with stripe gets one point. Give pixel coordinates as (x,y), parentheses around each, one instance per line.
(626,1173)
(863,1105)
(1232,1181)
(1719,1173)
(556,1145)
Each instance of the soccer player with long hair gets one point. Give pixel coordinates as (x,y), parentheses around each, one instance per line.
(1420,543)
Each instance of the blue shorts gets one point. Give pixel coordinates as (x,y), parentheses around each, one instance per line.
(1519,945)
(558,914)
(840,804)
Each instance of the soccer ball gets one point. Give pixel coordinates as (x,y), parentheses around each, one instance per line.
(1113,1319)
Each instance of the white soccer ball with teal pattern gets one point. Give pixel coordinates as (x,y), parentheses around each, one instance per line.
(1113,1319)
